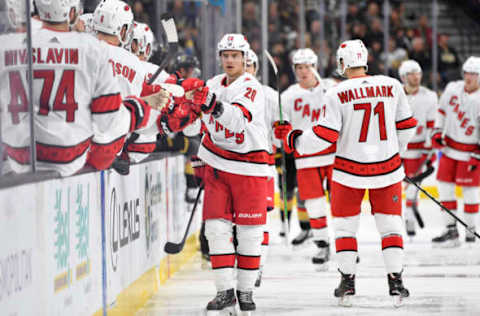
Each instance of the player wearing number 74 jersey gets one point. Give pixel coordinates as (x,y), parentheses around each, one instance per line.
(371,121)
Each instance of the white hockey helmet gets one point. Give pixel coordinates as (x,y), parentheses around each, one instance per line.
(408,66)
(111,16)
(149,41)
(138,35)
(87,19)
(54,10)
(252,58)
(352,54)
(233,41)
(304,56)
(16,12)
(472,64)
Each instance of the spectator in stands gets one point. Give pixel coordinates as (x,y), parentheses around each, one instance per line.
(375,33)
(373,12)
(375,65)
(394,57)
(448,60)
(423,30)
(420,54)
(139,12)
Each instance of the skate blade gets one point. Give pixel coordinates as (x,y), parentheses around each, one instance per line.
(447,244)
(321,267)
(228,311)
(345,301)
(397,301)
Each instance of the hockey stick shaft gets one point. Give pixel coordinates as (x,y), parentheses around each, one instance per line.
(283,158)
(172,38)
(173,248)
(443,207)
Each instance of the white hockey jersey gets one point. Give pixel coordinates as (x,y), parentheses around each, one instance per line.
(150,69)
(302,108)
(236,141)
(130,73)
(424,105)
(76,100)
(457,117)
(371,121)
(271,115)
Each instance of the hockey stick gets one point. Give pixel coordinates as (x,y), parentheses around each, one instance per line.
(173,248)
(172,38)
(443,207)
(283,159)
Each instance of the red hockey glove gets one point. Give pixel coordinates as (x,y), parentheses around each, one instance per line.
(473,163)
(139,110)
(207,101)
(176,119)
(437,140)
(198,167)
(430,160)
(191,84)
(281,130)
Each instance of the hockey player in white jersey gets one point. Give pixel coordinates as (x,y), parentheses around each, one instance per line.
(456,134)
(79,113)
(370,120)
(271,115)
(235,149)
(424,103)
(302,105)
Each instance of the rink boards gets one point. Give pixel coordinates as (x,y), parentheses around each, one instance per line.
(76,245)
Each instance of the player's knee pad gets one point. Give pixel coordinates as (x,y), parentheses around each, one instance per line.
(389,224)
(410,192)
(446,191)
(316,207)
(249,238)
(346,226)
(471,195)
(218,229)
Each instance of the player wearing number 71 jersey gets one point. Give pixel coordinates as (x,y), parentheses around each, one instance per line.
(371,121)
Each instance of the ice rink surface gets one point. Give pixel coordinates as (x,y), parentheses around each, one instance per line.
(441,281)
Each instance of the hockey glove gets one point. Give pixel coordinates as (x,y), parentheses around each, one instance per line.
(158,98)
(438,142)
(176,118)
(429,160)
(139,110)
(473,163)
(284,132)
(198,168)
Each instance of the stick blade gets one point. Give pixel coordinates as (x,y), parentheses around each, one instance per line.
(272,62)
(172,248)
(170,30)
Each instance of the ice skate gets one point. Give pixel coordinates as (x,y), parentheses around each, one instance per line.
(469,237)
(320,260)
(222,304)
(246,303)
(410,228)
(258,281)
(302,237)
(345,290)
(449,238)
(397,290)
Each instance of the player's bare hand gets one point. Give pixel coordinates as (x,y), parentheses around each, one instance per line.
(159,99)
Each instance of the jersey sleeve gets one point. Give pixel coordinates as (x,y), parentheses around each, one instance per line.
(431,114)
(325,133)
(247,105)
(404,121)
(442,108)
(110,119)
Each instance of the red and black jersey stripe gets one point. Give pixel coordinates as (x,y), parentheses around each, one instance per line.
(244,110)
(106,103)
(407,123)
(256,157)
(460,146)
(370,169)
(327,134)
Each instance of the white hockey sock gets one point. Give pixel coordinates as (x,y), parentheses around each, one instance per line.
(346,242)
(471,200)
(248,255)
(265,243)
(390,228)
(446,191)
(316,209)
(222,253)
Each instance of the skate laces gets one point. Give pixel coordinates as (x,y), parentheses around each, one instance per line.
(245,296)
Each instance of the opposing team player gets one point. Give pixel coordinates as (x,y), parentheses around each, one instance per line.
(302,105)
(371,121)
(271,114)
(79,113)
(235,150)
(423,103)
(456,135)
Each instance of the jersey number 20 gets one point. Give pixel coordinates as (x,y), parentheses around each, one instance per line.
(379,110)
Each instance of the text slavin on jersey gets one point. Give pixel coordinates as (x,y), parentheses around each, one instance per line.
(365,92)
(67,56)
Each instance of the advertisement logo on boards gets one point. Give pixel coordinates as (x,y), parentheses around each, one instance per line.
(153,196)
(15,272)
(124,224)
